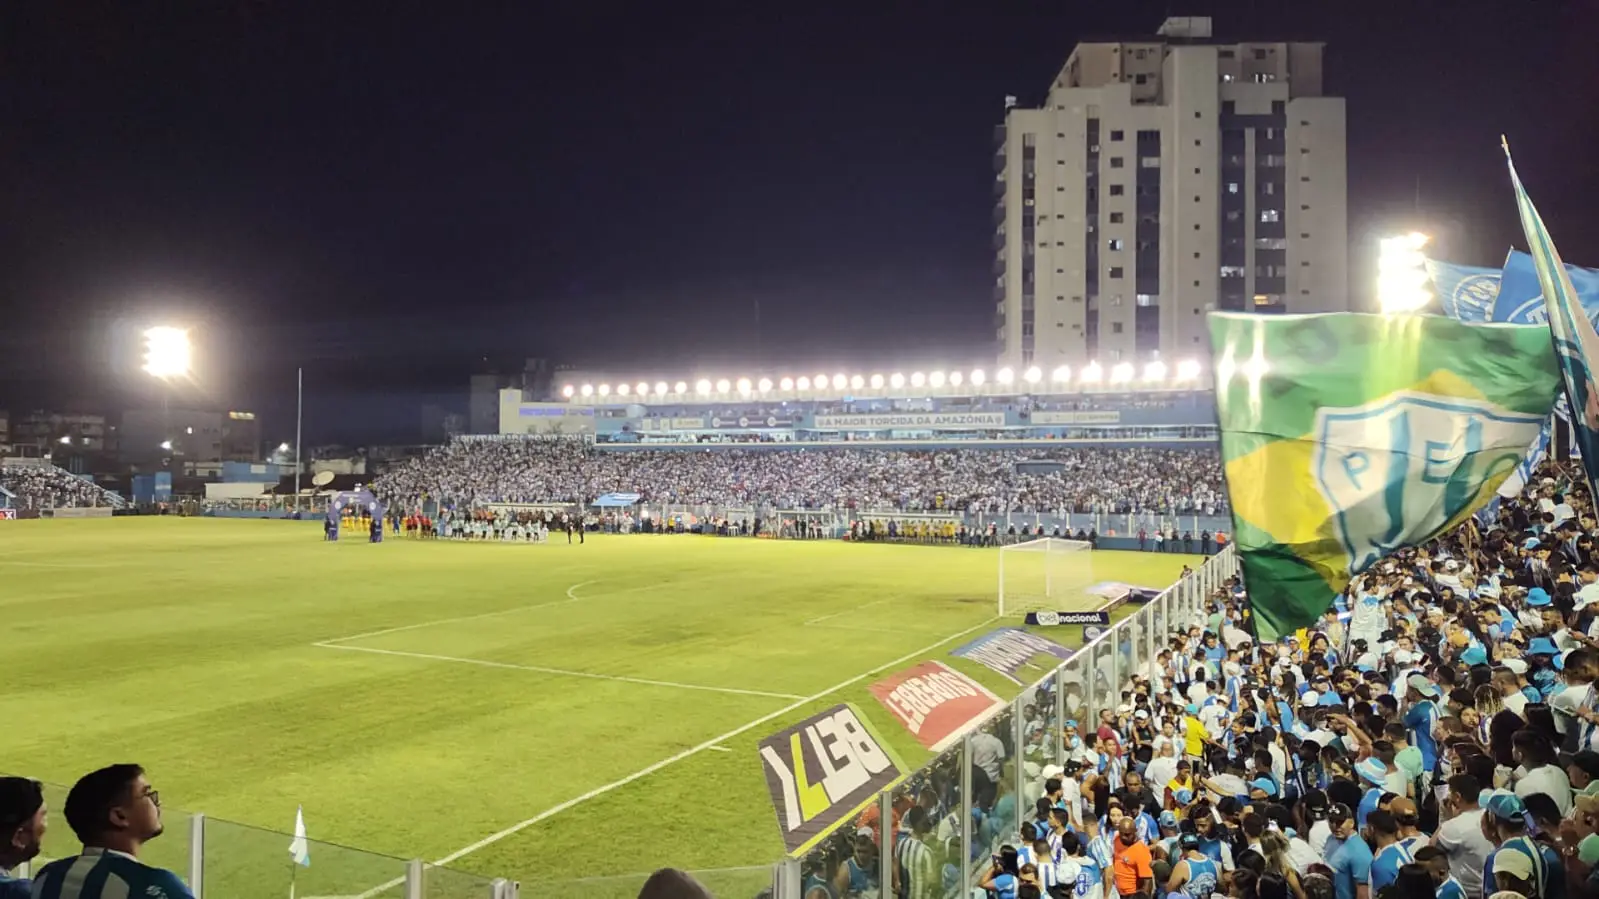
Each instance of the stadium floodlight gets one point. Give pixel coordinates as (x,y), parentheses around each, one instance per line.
(283,447)
(1032,375)
(1188,370)
(803,383)
(568,391)
(955,378)
(896,380)
(587,390)
(605,390)
(623,389)
(856,382)
(840,382)
(918,379)
(936,379)
(744,386)
(1155,371)
(1005,376)
(167,352)
(819,382)
(65,441)
(877,382)
(702,387)
(786,384)
(641,388)
(1061,375)
(764,385)
(680,388)
(166,445)
(660,388)
(978,377)
(1091,373)
(1402,274)
(1121,373)
(723,385)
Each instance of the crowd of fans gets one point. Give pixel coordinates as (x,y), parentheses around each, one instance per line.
(1434,736)
(50,487)
(1104,480)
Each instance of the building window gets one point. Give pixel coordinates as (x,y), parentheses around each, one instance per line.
(1148,299)
(1269,215)
(1115,327)
(1115,243)
(1116,218)
(1140,79)
(1115,162)
(1226,78)
(1232,271)
(1115,271)
(1279,107)
(1116,135)
(1228,107)
(1116,190)
(1153,162)
(1232,187)
(1259,53)
(1225,54)
(1264,77)
(1269,188)
(1234,215)
(1271,243)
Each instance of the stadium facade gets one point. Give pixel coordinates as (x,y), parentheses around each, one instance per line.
(1162,178)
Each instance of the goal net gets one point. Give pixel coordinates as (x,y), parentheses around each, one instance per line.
(1047,574)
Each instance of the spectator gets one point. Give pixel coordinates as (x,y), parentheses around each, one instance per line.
(22,826)
(114,811)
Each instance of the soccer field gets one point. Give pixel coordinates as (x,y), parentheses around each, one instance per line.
(545,713)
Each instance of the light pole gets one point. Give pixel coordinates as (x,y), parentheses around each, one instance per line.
(167,355)
(299,414)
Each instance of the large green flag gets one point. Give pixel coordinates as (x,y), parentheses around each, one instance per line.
(1348,436)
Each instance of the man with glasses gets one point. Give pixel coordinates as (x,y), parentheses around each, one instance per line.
(114,811)
(22,826)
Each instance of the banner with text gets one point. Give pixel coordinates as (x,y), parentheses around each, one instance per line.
(821,771)
(1010,649)
(1077,418)
(936,420)
(935,702)
(8,514)
(1056,619)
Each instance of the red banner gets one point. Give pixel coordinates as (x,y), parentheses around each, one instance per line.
(934,702)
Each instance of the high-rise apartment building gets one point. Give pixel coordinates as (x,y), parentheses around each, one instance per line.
(1163,178)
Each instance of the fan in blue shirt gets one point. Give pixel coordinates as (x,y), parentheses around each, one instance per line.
(22,826)
(1391,854)
(1351,862)
(114,812)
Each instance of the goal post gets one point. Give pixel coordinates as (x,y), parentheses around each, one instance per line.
(1047,574)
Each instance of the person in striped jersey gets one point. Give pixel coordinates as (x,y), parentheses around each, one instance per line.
(114,811)
(22,826)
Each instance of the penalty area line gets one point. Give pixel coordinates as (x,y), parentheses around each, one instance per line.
(571,596)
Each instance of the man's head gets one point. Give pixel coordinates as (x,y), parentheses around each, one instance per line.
(1127,831)
(114,805)
(1436,861)
(22,820)
(1583,768)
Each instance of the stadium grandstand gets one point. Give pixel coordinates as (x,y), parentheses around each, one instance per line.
(32,484)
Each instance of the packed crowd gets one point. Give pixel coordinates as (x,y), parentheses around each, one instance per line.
(1434,736)
(1093,479)
(50,487)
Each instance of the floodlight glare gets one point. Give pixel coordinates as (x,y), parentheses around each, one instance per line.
(1091,374)
(978,377)
(1121,373)
(1155,371)
(660,388)
(166,445)
(567,391)
(918,379)
(744,385)
(166,352)
(641,388)
(623,389)
(702,387)
(1402,274)
(65,441)
(840,382)
(680,388)
(786,384)
(605,390)
(955,378)
(722,385)
(1032,375)
(1005,376)
(803,383)
(877,382)
(936,379)
(856,382)
(1061,375)
(896,380)
(1188,370)
(764,385)
(588,390)
(820,382)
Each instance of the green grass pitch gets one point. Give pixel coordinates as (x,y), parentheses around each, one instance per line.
(545,713)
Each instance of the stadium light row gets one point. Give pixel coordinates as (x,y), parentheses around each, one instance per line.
(1154,375)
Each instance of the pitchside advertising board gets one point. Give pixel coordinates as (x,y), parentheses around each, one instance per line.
(1010,649)
(935,702)
(1055,619)
(822,771)
(8,514)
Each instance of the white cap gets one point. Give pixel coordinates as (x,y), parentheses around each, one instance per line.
(1310,698)
(1516,665)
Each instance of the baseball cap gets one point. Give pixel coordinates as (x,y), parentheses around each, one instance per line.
(1422,685)
(1542,646)
(1517,666)
(1168,819)
(1141,714)
(1309,699)
(1514,862)
(1474,655)
(1190,841)
(1502,804)
(1588,849)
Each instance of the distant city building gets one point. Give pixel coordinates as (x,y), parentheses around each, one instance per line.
(483,410)
(39,433)
(241,437)
(1165,177)
(188,438)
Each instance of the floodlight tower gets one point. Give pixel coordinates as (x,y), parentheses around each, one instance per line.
(168,355)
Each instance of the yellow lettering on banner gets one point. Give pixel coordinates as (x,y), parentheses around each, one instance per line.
(812,797)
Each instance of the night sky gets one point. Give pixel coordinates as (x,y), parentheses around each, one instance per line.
(389,193)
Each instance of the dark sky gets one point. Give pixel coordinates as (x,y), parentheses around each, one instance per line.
(385,193)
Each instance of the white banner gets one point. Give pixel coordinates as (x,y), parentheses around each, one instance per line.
(1077,418)
(914,420)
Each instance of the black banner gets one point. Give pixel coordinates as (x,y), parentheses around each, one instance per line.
(1054,619)
(821,770)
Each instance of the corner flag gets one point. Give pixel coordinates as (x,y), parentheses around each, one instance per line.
(300,847)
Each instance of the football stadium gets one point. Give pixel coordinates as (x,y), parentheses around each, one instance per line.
(494,653)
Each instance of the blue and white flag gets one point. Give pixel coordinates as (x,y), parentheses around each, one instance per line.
(300,847)
(1522,296)
(1466,292)
(1576,343)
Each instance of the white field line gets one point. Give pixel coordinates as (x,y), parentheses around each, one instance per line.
(845,612)
(570,597)
(562,672)
(718,749)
